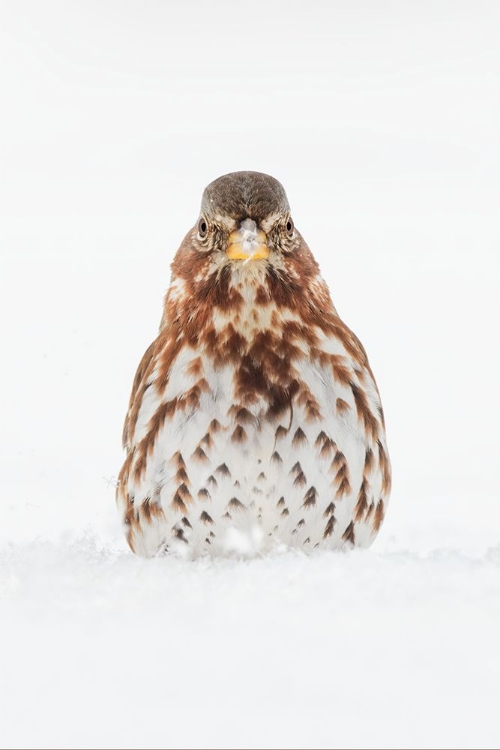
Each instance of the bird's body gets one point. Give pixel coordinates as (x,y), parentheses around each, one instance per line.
(254,418)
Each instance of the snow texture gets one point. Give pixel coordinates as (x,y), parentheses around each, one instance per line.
(381,120)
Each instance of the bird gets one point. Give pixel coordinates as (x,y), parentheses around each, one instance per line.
(255,422)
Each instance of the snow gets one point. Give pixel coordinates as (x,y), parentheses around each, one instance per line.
(388,648)
(383,128)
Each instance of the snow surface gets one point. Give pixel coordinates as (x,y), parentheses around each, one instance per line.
(388,648)
(381,120)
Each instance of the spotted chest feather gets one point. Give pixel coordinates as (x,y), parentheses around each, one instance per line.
(281,437)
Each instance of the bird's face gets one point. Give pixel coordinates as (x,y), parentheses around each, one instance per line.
(238,243)
(245,218)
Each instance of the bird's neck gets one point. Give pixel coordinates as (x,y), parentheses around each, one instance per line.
(233,311)
(239,303)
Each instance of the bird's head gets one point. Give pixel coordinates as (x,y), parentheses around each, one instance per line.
(244,225)
(245,216)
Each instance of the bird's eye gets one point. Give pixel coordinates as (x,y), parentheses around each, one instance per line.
(289,227)
(202,228)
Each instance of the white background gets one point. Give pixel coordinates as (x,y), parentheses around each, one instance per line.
(382,121)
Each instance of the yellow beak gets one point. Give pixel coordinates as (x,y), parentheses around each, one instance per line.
(247,243)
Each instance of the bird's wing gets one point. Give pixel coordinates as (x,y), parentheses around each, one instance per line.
(142,371)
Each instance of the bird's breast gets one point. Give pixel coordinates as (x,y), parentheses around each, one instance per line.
(258,439)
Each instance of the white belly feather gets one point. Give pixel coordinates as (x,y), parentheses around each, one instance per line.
(276,483)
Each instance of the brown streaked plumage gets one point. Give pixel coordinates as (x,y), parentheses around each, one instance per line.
(254,414)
